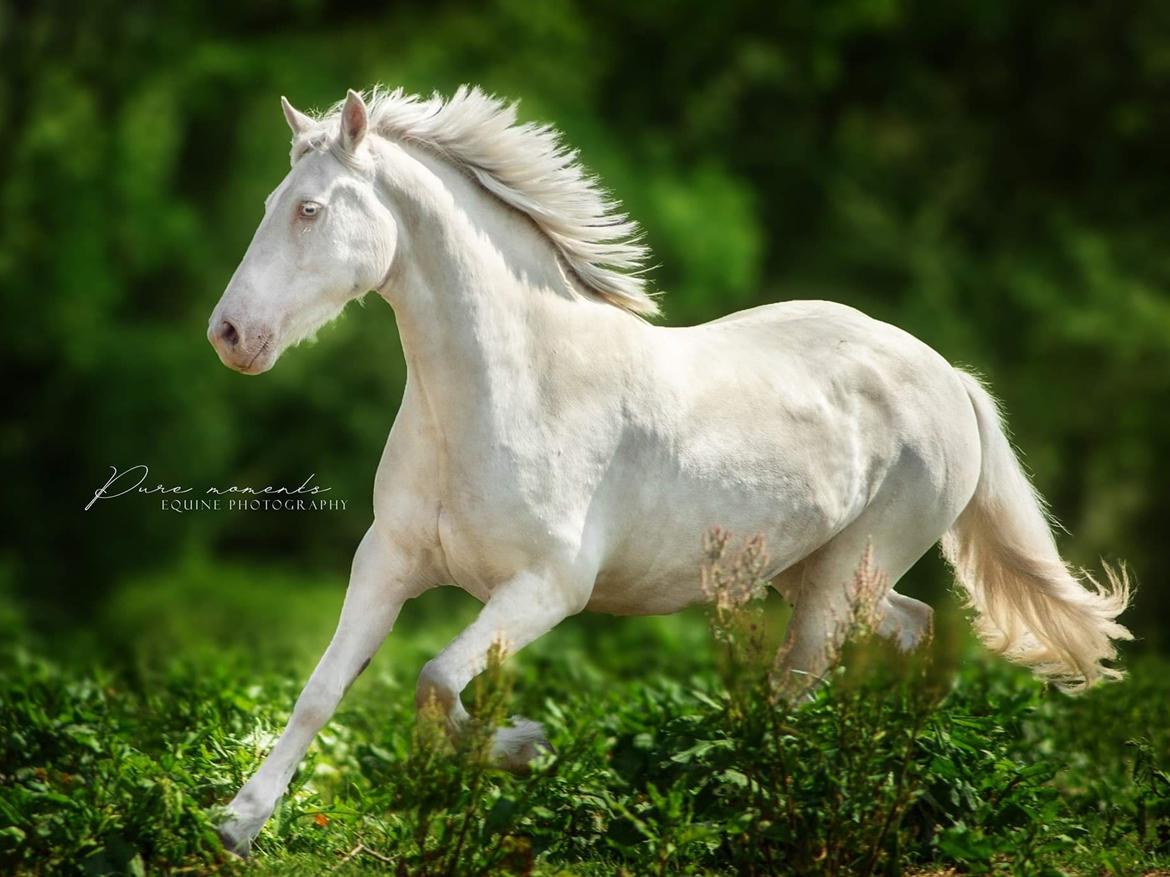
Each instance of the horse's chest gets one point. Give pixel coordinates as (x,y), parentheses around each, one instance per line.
(506,504)
(484,544)
(474,563)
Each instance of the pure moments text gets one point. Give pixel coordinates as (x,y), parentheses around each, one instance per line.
(173,498)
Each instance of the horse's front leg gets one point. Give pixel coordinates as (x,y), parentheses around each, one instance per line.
(383,577)
(518,611)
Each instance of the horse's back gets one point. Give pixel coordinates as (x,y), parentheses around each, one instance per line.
(815,329)
(825,355)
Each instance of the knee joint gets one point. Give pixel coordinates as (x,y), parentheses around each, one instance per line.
(434,690)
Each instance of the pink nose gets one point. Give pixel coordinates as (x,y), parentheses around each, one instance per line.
(227,335)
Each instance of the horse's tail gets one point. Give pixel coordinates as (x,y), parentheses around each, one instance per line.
(1032,608)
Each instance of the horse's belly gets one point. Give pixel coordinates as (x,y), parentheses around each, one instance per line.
(658,594)
(657,568)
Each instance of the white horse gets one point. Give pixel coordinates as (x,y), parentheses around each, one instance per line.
(556,452)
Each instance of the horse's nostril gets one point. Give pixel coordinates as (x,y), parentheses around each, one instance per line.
(229,334)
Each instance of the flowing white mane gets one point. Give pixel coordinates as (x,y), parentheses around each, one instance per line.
(529,168)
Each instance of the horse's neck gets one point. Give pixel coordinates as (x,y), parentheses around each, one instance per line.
(483,304)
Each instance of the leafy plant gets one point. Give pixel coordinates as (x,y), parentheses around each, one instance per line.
(895,764)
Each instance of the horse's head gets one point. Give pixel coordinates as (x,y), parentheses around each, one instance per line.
(326,238)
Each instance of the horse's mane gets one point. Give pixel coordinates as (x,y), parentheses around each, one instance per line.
(529,168)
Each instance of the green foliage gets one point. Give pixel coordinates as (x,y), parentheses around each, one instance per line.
(111,765)
(988,175)
(454,815)
(99,779)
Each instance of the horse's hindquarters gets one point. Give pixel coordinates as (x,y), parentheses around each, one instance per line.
(793,429)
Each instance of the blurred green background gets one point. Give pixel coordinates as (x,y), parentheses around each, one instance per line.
(992,176)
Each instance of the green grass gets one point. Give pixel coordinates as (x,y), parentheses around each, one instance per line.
(117,748)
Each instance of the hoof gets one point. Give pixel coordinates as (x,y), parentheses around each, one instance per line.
(797,690)
(235,838)
(515,746)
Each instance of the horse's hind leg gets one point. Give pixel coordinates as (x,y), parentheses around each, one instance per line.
(822,590)
(905,620)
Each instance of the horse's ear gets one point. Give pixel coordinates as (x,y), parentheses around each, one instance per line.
(297,120)
(355,118)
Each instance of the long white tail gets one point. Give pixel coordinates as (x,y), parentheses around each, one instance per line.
(1032,608)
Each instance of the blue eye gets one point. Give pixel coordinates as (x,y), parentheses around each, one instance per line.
(308,209)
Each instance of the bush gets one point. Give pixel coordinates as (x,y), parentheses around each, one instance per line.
(894,764)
